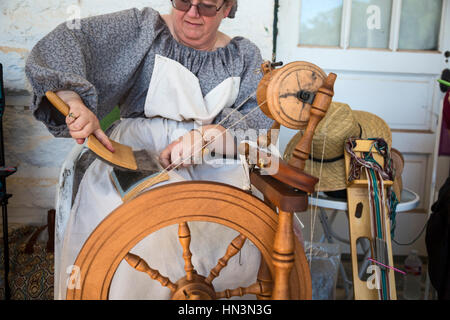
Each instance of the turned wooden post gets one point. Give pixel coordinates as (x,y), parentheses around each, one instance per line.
(184,235)
(233,248)
(265,281)
(255,289)
(140,265)
(318,110)
(265,140)
(283,256)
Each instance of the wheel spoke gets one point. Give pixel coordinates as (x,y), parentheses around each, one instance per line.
(258,288)
(233,248)
(265,279)
(140,265)
(184,235)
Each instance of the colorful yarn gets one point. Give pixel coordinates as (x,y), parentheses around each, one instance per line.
(377,198)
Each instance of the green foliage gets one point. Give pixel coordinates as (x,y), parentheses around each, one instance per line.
(109,119)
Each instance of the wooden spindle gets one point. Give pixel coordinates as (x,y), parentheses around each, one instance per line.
(272,136)
(184,235)
(233,248)
(283,255)
(264,279)
(256,288)
(140,265)
(318,110)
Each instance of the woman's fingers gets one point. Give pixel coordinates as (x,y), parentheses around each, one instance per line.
(220,140)
(85,132)
(71,118)
(103,138)
(183,152)
(79,136)
(82,122)
(188,151)
(176,154)
(165,155)
(192,148)
(164,158)
(78,124)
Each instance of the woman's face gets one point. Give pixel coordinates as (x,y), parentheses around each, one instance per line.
(195,30)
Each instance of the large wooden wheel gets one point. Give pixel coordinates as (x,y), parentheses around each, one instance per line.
(179,203)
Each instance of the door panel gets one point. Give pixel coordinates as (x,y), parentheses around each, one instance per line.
(387,55)
(367,92)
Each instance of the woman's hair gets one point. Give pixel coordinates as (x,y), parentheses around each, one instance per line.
(233,9)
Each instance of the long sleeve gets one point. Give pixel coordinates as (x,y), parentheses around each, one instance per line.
(98,61)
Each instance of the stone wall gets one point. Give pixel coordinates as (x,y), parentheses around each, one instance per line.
(27,142)
(24,22)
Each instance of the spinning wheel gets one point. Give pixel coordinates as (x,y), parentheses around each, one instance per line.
(170,204)
(284,271)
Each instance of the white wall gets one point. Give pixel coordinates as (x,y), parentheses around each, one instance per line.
(28,144)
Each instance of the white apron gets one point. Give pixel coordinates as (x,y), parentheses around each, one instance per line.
(174,105)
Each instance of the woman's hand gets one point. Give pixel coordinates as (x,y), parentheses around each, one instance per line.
(219,140)
(184,152)
(188,149)
(81,121)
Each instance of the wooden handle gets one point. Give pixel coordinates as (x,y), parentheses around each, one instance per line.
(319,108)
(58,103)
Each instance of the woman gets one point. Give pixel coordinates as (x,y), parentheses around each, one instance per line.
(177,80)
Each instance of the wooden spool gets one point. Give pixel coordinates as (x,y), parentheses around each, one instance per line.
(279,90)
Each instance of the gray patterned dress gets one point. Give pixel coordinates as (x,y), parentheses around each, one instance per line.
(109,62)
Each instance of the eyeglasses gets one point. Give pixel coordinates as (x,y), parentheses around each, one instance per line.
(207,10)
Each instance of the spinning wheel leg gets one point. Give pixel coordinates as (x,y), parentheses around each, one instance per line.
(283,255)
(184,234)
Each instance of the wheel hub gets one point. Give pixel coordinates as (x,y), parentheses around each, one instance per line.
(194,289)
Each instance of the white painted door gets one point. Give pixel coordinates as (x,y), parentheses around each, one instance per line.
(387,55)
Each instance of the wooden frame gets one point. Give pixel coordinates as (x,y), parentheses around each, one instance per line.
(360,224)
